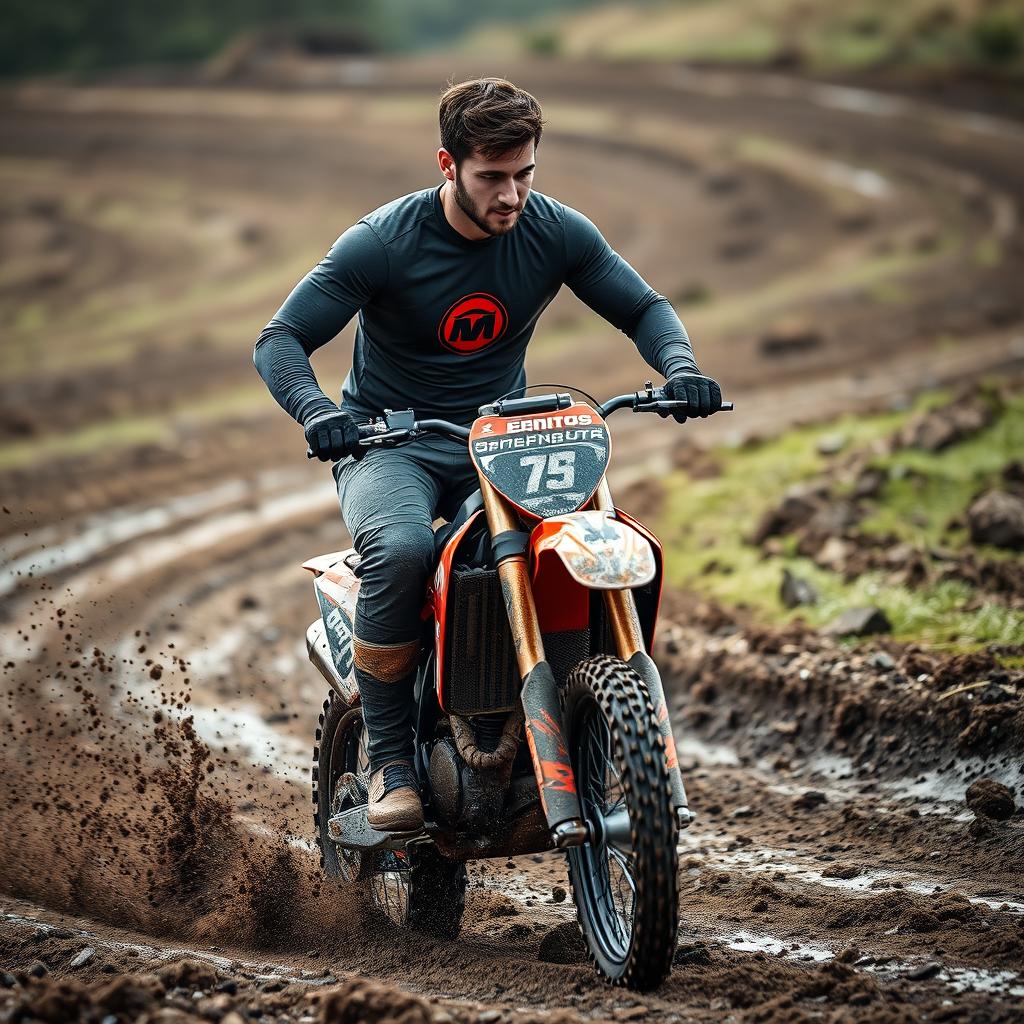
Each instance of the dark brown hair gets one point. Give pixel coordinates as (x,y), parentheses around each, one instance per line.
(489,116)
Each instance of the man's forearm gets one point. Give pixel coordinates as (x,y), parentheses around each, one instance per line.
(284,366)
(662,339)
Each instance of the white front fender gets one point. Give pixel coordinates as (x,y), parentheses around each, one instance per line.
(598,551)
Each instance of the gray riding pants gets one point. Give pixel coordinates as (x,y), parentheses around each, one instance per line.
(389,501)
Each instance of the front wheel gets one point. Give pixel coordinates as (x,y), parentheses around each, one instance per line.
(624,878)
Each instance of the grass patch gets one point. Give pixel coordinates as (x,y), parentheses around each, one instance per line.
(926,490)
(705,525)
(949,36)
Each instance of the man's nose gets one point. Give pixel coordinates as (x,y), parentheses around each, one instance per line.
(507,194)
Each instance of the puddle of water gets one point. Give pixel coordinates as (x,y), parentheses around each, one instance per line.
(946,789)
(964,979)
(163,551)
(97,534)
(939,791)
(861,180)
(746,942)
(242,729)
(960,979)
(770,859)
(689,747)
(859,101)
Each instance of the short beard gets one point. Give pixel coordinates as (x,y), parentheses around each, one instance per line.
(465,203)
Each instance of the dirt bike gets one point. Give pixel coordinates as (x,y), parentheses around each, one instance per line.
(538,621)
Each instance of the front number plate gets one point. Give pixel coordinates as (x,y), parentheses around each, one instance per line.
(547,465)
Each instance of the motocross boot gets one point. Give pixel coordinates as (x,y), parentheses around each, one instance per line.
(394,799)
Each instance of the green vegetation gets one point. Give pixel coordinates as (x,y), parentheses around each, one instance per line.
(707,524)
(917,35)
(84,35)
(925,490)
(88,35)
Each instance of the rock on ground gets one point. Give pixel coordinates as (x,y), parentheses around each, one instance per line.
(997,518)
(859,622)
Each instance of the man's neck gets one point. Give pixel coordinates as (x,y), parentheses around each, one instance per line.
(455,216)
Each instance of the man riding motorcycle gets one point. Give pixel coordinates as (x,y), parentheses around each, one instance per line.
(448,283)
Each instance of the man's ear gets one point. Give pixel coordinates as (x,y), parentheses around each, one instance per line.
(447,163)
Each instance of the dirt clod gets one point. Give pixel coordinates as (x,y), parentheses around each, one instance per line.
(563,944)
(991,799)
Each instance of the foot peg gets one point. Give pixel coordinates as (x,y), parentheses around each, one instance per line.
(351,830)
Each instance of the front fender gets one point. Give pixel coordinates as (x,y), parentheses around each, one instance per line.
(598,551)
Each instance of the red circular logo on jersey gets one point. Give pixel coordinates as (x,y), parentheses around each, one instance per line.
(472,323)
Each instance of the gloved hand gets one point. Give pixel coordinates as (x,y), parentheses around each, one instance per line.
(702,394)
(332,434)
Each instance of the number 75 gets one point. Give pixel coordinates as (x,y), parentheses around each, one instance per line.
(557,470)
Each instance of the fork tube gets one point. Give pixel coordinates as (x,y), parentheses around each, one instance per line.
(542,708)
(515,586)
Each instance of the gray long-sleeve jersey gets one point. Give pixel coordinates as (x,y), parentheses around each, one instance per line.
(444,321)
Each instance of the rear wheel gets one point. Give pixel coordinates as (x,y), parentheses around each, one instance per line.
(340,752)
(415,887)
(624,879)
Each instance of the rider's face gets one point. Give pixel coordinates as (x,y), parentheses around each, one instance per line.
(492,193)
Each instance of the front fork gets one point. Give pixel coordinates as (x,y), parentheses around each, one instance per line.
(541,705)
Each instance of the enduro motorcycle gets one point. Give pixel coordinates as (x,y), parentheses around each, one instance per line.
(538,622)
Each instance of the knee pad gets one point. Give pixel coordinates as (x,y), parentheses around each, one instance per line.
(387,663)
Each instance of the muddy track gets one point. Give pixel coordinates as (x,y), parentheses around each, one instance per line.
(153,626)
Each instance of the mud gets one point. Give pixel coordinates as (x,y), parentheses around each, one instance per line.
(158,713)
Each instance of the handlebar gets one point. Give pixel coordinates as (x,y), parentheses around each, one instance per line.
(651,399)
(397,427)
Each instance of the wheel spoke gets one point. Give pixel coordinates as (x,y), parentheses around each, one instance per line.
(602,796)
(625,866)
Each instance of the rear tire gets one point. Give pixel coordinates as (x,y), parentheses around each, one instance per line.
(340,748)
(625,890)
(415,887)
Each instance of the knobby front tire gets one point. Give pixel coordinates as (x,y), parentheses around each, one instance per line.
(624,880)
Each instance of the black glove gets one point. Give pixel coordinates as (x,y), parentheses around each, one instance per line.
(702,395)
(333,434)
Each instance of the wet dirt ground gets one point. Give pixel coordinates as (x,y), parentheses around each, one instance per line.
(830,250)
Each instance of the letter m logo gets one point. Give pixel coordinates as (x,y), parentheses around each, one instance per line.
(474,322)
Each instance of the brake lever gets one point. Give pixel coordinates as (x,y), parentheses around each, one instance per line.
(402,434)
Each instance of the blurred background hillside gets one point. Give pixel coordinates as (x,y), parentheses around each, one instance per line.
(983,37)
(828,193)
